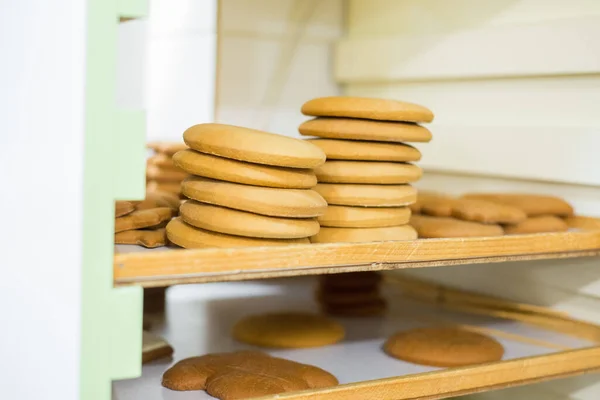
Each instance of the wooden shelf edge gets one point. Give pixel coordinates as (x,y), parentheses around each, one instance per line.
(159,268)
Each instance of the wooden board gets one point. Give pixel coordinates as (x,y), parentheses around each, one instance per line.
(170,266)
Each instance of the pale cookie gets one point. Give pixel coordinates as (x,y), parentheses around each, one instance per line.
(367,108)
(143,219)
(487,212)
(532,204)
(189,237)
(276,202)
(359,129)
(433,203)
(355,235)
(584,223)
(161,161)
(243,375)
(367,195)
(292,330)
(364,217)
(159,199)
(370,172)
(225,169)
(169,187)
(123,208)
(366,151)
(443,347)
(253,146)
(242,223)
(442,227)
(167,148)
(544,223)
(154,173)
(143,237)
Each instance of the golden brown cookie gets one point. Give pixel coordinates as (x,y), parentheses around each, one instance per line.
(123,208)
(367,195)
(149,238)
(242,223)
(244,374)
(143,219)
(159,174)
(487,212)
(585,223)
(253,146)
(360,129)
(159,199)
(288,330)
(225,169)
(162,161)
(443,347)
(371,309)
(364,217)
(367,108)
(544,223)
(533,204)
(276,202)
(366,151)
(355,235)
(167,148)
(370,172)
(189,237)
(431,203)
(442,227)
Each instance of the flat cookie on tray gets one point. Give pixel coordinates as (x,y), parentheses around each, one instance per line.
(149,238)
(143,219)
(364,217)
(442,227)
(366,151)
(533,205)
(345,194)
(545,223)
(369,172)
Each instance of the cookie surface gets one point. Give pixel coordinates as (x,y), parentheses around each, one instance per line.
(367,108)
(143,219)
(253,146)
(443,347)
(443,227)
(431,203)
(155,198)
(487,212)
(359,129)
(123,208)
(189,237)
(225,169)
(369,172)
(288,330)
(291,203)
(167,148)
(149,238)
(532,204)
(242,223)
(164,175)
(367,195)
(336,149)
(364,217)
(585,223)
(355,235)
(545,223)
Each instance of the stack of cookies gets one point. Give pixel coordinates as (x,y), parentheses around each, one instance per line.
(249,188)
(355,294)
(161,174)
(366,179)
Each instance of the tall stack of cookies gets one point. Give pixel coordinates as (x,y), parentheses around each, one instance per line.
(355,294)
(249,188)
(161,174)
(366,179)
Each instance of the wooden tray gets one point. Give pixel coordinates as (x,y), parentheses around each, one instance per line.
(199,319)
(134,265)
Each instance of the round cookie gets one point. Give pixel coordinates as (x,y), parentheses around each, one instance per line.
(225,169)
(154,173)
(288,330)
(534,205)
(356,235)
(366,151)
(443,347)
(360,129)
(442,227)
(367,108)
(370,172)
(184,235)
(253,146)
(364,217)
(242,223)
(276,202)
(367,195)
(544,223)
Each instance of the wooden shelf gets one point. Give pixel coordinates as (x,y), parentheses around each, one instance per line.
(134,265)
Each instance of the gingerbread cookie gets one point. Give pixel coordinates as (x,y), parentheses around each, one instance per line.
(253,146)
(366,151)
(532,204)
(242,223)
(442,227)
(364,217)
(367,195)
(443,347)
(123,207)
(358,129)
(487,212)
(143,219)
(143,237)
(370,172)
(229,170)
(544,223)
(156,199)
(432,203)
(292,330)
(355,235)
(158,174)
(167,148)
(367,108)
(276,202)
(189,237)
